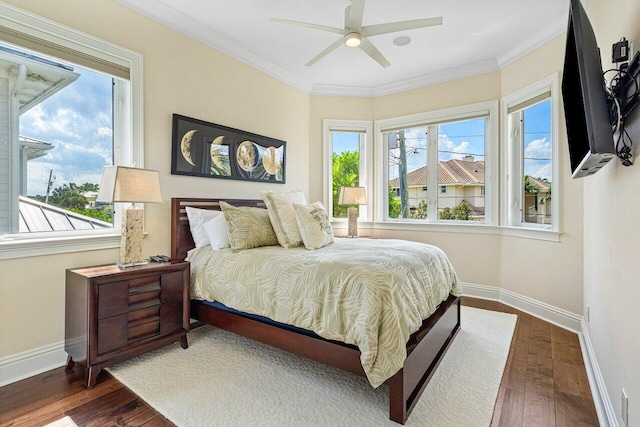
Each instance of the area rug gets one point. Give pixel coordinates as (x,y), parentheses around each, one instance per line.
(223,379)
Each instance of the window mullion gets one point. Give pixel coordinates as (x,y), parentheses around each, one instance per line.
(432,173)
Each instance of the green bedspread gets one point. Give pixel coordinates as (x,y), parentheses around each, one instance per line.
(370,293)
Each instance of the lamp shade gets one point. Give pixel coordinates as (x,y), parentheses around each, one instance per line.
(352,196)
(123,184)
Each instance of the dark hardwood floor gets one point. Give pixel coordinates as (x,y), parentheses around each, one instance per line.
(544,384)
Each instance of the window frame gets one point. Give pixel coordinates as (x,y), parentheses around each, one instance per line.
(434,118)
(365,128)
(512,159)
(128,128)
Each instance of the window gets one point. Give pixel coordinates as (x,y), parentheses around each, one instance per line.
(346,158)
(530,157)
(446,153)
(71,104)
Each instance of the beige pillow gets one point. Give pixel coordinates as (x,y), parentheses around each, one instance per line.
(283,217)
(314,225)
(248,227)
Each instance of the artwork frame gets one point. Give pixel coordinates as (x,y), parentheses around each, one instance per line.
(210,150)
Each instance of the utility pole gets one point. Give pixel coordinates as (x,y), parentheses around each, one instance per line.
(49,184)
(402,177)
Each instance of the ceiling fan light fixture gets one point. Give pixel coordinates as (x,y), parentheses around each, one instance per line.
(352,39)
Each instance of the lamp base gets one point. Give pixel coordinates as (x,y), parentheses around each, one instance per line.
(131,238)
(352,230)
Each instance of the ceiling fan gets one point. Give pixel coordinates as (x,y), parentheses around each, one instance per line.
(355,35)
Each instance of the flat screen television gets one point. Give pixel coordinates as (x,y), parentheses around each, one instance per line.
(586,105)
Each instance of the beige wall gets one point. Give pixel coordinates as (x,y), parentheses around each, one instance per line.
(550,272)
(612,236)
(509,262)
(180,76)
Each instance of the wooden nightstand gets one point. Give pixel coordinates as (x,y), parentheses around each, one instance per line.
(115,313)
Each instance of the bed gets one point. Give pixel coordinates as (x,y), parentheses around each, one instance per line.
(425,348)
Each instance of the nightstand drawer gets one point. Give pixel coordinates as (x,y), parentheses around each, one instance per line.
(172,287)
(113,299)
(112,333)
(144,300)
(144,324)
(144,284)
(171,316)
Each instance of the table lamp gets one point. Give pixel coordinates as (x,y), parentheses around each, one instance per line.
(353,196)
(131,185)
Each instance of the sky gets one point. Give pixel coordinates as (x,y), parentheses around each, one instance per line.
(77,121)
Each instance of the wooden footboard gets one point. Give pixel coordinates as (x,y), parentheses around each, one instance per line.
(425,348)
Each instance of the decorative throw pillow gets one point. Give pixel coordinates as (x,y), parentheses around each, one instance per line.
(217,232)
(283,217)
(248,227)
(314,225)
(197,219)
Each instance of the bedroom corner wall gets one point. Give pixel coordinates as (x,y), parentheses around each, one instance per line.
(550,272)
(612,237)
(180,76)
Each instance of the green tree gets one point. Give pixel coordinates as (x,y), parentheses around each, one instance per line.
(88,186)
(94,213)
(462,212)
(345,169)
(395,206)
(421,210)
(68,196)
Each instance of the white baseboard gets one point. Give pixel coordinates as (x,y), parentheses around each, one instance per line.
(564,319)
(558,316)
(604,408)
(28,363)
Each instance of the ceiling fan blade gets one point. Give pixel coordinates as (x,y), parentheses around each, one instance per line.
(392,27)
(353,15)
(308,25)
(325,52)
(374,53)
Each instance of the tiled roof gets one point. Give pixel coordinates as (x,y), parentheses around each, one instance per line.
(543,185)
(449,172)
(38,216)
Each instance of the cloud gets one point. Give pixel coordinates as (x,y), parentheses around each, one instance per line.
(448,149)
(538,149)
(77,121)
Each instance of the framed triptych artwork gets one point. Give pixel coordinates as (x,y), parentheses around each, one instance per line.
(209,150)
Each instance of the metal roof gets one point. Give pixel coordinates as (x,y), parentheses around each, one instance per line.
(38,216)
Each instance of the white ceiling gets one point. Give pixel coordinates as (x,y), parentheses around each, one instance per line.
(477,36)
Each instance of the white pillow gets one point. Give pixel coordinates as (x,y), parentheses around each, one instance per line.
(314,225)
(283,217)
(217,233)
(197,219)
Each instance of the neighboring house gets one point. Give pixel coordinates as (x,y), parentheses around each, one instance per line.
(537,200)
(463,181)
(25,81)
(91,198)
(38,216)
(458,181)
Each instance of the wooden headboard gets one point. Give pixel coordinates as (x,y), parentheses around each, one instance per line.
(181,240)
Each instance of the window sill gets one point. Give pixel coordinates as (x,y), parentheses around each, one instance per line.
(527,233)
(28,247)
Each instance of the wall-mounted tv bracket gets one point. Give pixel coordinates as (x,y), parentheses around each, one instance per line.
(624,95)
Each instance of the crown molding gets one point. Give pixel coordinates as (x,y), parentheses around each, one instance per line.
(181,23)
(541,37)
